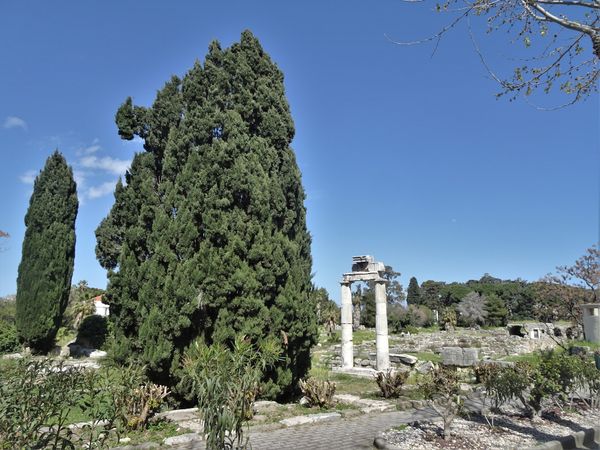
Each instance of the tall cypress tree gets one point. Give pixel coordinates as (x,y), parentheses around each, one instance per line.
(48,255)
(208,237)
(413,296)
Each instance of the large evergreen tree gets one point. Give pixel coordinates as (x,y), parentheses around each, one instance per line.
(48,255)
(208,236)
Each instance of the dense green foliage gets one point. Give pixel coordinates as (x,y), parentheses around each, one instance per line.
(401,319)
(48,255)
(551,379)
(9,340)
(327,309)
(92,331)
(208,237)
(506,299)
(38,399)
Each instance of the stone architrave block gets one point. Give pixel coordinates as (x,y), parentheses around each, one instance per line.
(404,359)
(459,357)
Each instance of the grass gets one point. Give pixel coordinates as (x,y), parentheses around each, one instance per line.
(526,357)
(348,384)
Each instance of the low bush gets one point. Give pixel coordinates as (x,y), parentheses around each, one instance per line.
(441,388)
(9,341)
(226,382)
(318,392)
(92,331)
(391,382)
(554,375)
(39,398)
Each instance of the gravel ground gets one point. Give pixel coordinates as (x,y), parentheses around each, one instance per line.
(510,431)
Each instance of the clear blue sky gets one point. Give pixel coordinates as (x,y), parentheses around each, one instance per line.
(404,156)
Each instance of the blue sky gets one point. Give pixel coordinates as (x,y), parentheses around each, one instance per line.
(404,156)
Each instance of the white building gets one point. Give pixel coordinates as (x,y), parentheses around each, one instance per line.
(102,309)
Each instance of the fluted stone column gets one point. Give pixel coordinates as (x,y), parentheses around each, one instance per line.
(381,326)
(347,350)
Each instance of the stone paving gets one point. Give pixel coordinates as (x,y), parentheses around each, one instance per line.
(356,433)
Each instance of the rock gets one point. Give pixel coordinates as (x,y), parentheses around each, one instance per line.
(464,387)
(178,415)
(303,401)
(12,356)
(124,440)
(97,354)
(262,406)
(182,439)
(459,357)
(425,367)
(578,350)
(310,418)
(259,418)
(403,358)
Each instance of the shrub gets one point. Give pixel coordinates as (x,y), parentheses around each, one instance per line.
(556,375)
(9,340)
(38,397)
(226,383)
(441,388)
(92,331)
(391,382)
(318,392)
(449,319)
(35,400)
(400,318)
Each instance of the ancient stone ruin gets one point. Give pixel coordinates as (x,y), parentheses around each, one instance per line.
(364,268)
(591,322)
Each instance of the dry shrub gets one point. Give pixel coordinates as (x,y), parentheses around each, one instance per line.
(318,392)
(391,382)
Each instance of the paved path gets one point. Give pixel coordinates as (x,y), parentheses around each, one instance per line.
(356,433)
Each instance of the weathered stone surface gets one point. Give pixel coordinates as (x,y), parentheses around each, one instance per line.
(182,439)
(262,406)
(310,418)
(178,415)
(366,405)
(424,367)
(97,354)
(459,357)
(403,358)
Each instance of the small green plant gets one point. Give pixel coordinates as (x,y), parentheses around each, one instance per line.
(226,383)
(441,388)
(391,382)
(318,392)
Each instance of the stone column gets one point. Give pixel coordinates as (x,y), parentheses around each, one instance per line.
(347,350)
(381,326)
